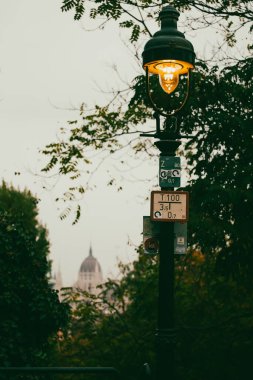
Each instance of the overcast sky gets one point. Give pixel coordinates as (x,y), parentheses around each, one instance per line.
(47,59)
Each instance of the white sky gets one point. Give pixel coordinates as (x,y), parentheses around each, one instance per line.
(46,59)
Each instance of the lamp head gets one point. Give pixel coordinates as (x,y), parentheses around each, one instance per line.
(168,53)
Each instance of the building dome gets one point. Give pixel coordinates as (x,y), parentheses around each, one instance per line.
(90,274)
(90,264)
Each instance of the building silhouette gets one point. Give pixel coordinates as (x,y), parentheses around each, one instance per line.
(89,275)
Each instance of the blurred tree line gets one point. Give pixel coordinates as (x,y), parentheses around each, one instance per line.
(214,321)
(31,313)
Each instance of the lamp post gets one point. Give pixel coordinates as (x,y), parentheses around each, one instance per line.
(168,56)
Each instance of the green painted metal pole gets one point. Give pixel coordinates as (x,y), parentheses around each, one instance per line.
(165,337)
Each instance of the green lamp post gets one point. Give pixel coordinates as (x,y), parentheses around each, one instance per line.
(170,56)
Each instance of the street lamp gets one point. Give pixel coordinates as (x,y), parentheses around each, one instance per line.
(169,56)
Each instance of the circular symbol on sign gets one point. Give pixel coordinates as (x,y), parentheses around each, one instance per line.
(163,174)
(151,246)
(158,214)
(175,173)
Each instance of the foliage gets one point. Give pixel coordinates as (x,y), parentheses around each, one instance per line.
(199,333)
(213,321)
(230,15)
(214,315)
(213,288)
(221,159)
(30,309)
(113,329)
(219,115)
(219,156)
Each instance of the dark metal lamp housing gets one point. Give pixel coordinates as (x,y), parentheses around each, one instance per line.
(168,53)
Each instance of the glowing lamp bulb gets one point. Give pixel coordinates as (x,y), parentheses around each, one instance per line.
(168,82)
(168,75)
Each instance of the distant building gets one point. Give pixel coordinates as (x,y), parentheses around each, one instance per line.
(89,275)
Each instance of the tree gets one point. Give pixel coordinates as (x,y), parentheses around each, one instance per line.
(30,310)
(117,327)
(214,318)
(219,156)
(213,288)
(221,185)
(230,15)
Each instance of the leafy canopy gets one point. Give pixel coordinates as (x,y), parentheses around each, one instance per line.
(219,115)
(229,15)
(30,310)
(117,327)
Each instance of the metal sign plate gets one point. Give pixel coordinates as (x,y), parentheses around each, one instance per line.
(151,246)
(151,236)
(169,206)
(169,171)
(151,232)
(180,238)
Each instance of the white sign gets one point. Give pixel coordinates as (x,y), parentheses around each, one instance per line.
(169,206)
